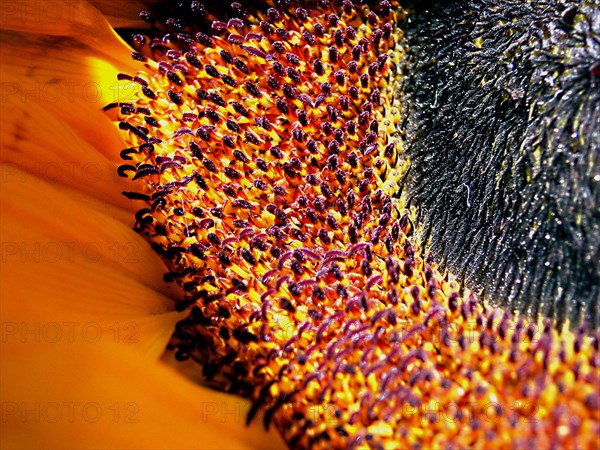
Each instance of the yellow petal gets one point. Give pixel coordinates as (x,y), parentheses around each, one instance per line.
(65,259)
(68,65)
(85,312)
(36,141)
(76,396)
(78,20)
(53,93)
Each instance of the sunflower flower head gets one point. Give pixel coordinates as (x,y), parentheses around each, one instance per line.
(268,142)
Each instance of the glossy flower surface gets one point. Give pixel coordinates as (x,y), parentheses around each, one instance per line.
(264,162)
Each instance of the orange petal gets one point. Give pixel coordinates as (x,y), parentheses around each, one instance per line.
(66,259)
(36,141)
(76,396)
(85,312)
(69,66)
(78,20)
(80,264)
(53,93)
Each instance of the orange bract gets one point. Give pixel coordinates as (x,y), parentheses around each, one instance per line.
(269,153)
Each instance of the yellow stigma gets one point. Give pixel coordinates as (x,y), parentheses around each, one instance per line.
(269,154)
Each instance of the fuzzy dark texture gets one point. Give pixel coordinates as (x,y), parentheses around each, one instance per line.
(502,109)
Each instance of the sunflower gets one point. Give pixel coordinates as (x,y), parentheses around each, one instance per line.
(264,149)
(85,314)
